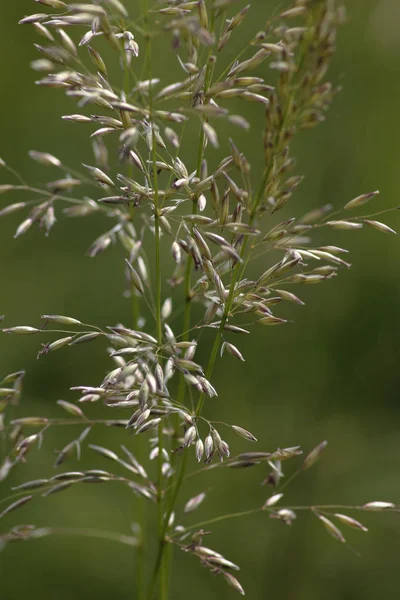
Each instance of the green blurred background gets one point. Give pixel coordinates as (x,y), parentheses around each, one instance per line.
(333,374)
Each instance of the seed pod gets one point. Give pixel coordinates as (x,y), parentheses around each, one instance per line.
(22,330)
(286,453)
(149,425)
(271,320)
(118,7)
(83,339)
(15,505)
(77,118)
(331,528)
(199,450)
(232,350)
(379,226)
(201,202)
(61,319)
(136,280)
(314,455)
(30,421)
(293,12)
(36,18)
(272,500)
(98,174)
(244,433)
(202,245)
(285,295)
(190,436)
(211,134)
(284,514)
(206,387)
(185,417)
(23,227)
(68,43)
(71,408)
(208,446)
(104,452)
(233,582)
(351,522)
(360,200)
(223,449)
(144,415)
(12,377)
(166,308)
(347,225)
(194,503)
(58,488)
(53,3)
(378,506)
(31,485)
(203,17)
(45,159)
(159,376)
(220,561)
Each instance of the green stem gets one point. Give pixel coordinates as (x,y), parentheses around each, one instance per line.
(163,589)
(252,511)
(161,561)
(95,533)
(235,515)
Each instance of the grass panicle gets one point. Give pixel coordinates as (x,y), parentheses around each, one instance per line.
(215,217)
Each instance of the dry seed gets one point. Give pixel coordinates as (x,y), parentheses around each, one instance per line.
(344,224)
(360,200)
(314,455)
(194,503)
(233,582)
(272,500)
(104,452)
(379,226)
(332,529)
(58,488)
(22,330)
(378,506)
(31,485)
(284,514)
(232,350)
(149,425)
(244,433)
(351,522)
(15,505)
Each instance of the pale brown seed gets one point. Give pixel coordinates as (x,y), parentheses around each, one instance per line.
(378,506)
(331,528)
(350,522)
(194,503)
(15,505)
(314,455)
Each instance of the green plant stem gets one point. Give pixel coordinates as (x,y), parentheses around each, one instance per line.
(235,515)
(211,364)
(318,507)
(140,506)
(164,564)
(163,579)
(163,589)
(95,533)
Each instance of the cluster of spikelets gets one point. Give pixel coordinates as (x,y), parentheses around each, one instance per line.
(210,215)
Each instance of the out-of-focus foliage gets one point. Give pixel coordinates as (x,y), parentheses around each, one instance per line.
(332,374)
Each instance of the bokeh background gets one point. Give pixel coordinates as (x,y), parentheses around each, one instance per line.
(332,374)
